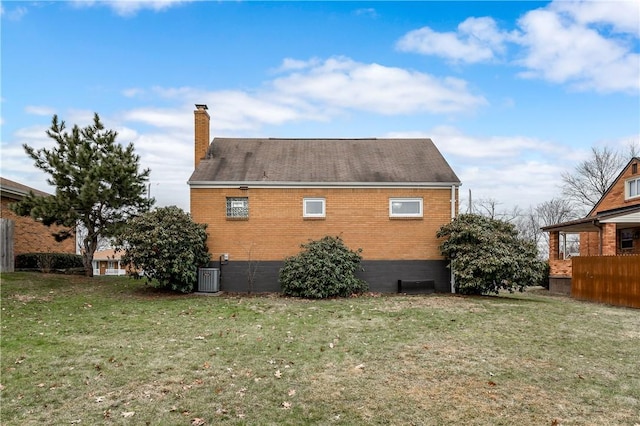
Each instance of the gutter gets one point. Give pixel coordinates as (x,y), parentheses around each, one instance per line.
(285,184)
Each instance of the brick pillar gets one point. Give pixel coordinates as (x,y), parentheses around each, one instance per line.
(608,239)
(554,245)
(202,120)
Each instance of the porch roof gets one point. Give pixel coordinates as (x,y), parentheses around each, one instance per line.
(628,216)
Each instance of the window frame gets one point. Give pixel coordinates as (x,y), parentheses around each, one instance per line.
(626,236)
(627,188)
(419,200)
(306,214)
(230,209)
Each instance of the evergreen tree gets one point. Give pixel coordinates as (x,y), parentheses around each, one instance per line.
(98,184)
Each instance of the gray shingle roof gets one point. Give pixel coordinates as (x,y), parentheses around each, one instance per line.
(317,161)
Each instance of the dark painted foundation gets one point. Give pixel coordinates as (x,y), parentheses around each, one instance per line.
(560,285)
(381,275)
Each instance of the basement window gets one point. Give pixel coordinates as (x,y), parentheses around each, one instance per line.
(632,188)
(237,208)
(405,207)
(314,207)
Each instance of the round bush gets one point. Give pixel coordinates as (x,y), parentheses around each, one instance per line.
(325,268)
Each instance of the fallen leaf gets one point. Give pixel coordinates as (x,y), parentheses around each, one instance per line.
(197,421)
(100,399)
(359,367)
(278,374)
(286,405)
(207,365)
(491,383)
(75,422)
(292,392)
(1,387)
(40,385)
(199,338)
(331,345)
(127,414)
(221,411)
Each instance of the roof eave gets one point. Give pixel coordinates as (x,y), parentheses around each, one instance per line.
(277,184)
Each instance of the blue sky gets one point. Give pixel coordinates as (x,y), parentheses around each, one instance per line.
(512,93)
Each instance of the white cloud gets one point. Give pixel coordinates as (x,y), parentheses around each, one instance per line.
(368,11)
(514,170)
(13,14)
(588,45)
(477,39)
(39,110)
(622,16)
(128,8)
(346,84)
(133,92)
(560,49)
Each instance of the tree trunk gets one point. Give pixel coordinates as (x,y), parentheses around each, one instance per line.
(90,243)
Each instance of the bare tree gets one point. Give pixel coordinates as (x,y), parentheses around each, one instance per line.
(557,210)
(81,234)
(487,207)
(592,177)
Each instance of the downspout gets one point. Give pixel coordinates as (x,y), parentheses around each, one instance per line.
(453,216)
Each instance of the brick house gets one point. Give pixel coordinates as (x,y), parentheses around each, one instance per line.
(611,228)
(29,235)
(262,198)
(108,262)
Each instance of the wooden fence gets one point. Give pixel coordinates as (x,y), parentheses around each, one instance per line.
(6,245)
(608,279)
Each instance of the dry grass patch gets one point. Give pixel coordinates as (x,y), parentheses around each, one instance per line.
(112,351)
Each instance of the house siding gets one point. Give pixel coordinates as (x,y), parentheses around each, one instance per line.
(31,236)
(614,198)
(392,248)
(275,228)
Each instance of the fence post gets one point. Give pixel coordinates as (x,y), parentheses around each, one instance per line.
(7,261)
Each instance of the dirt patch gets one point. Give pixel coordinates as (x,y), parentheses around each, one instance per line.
(26,298)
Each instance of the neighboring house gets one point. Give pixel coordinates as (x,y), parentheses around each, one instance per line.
(107,262)
(611,228)
(262,198)
(29,235)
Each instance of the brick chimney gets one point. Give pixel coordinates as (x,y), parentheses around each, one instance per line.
(201,132)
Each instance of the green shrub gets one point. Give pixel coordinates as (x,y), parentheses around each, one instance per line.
(544,281)
(47,262)
(168,246)
(325,268)
(487,255)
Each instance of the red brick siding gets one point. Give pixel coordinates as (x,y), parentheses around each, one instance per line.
(615,197)
(31,236)
(276,228)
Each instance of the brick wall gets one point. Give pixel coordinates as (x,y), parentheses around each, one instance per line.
(615,197)
(560,267)
(276,228)
(589,244)
(31,236)
(201,134)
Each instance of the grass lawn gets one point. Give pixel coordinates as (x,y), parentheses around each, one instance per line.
(113,351)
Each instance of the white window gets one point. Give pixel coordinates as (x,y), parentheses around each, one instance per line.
(405,207)
(632,188)
(313,207)
(238,207)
